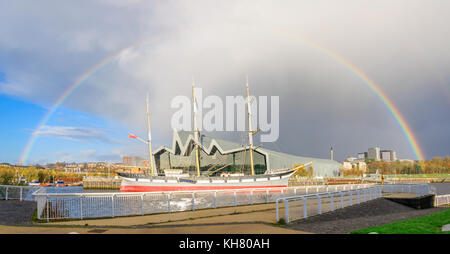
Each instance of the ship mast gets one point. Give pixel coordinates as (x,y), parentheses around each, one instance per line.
(196,131)
(250,130)
(149,140)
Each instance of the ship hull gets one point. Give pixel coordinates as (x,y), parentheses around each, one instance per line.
(143,184)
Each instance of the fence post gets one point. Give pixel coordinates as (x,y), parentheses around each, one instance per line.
(81,207)
(276,211)
(112,205)
(193,201)
(306,190)
(142,204)
(305,208)
(351,197)
(21,190)
(331,203)
(267,196)
(286,210)
(295,191)
(251,197)
(342,200)
(46,201)
(317,189)
(319,204)
(168,202)
(359,196)
(6,196)
(235,199)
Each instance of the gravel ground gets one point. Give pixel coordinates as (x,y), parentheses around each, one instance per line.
(369,214)
(14,212)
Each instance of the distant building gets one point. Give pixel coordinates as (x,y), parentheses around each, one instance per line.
(388,155)
(374,153)
(350,159)
(347,165)
(134,162)
(362,156)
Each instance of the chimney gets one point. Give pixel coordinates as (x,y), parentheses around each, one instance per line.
(331,150)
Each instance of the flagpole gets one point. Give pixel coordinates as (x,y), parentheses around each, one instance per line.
(250,130)
(150,139)
(196,132)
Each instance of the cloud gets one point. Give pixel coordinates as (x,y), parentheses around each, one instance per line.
(80,134)
(402,46)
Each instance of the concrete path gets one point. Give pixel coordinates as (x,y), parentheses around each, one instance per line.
(244,228)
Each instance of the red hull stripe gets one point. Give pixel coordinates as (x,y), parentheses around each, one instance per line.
(132,188)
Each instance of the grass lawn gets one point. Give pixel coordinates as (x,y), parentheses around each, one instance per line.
(429,224)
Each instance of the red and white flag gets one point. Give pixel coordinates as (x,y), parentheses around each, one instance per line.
(130,135)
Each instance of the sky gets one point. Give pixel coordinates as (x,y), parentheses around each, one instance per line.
(158,46)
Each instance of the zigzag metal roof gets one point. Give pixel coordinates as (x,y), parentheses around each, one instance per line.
(274,160)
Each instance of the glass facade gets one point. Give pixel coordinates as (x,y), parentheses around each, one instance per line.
(212,164)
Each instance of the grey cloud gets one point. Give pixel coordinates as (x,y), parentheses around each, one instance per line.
(401,45)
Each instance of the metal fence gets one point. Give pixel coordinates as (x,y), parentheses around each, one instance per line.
(302,206)
(51,206)
(298,207)
(440,200)
(418,189)
(22,193)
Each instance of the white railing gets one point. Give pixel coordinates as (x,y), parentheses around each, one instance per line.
(302,206)
(96,205)
(298,207)
(13,192)
(418,189)
(441,200)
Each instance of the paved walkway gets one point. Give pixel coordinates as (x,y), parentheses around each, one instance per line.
(256,219)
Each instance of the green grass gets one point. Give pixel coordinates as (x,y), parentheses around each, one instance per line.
(429,224)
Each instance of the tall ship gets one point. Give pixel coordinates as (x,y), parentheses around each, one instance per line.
(198,162)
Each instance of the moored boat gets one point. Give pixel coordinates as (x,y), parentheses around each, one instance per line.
(180,180)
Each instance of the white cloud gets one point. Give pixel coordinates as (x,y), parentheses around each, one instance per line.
(81,134)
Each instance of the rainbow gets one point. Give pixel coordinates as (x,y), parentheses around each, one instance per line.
(406,129)
(412,140)
(78,82)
